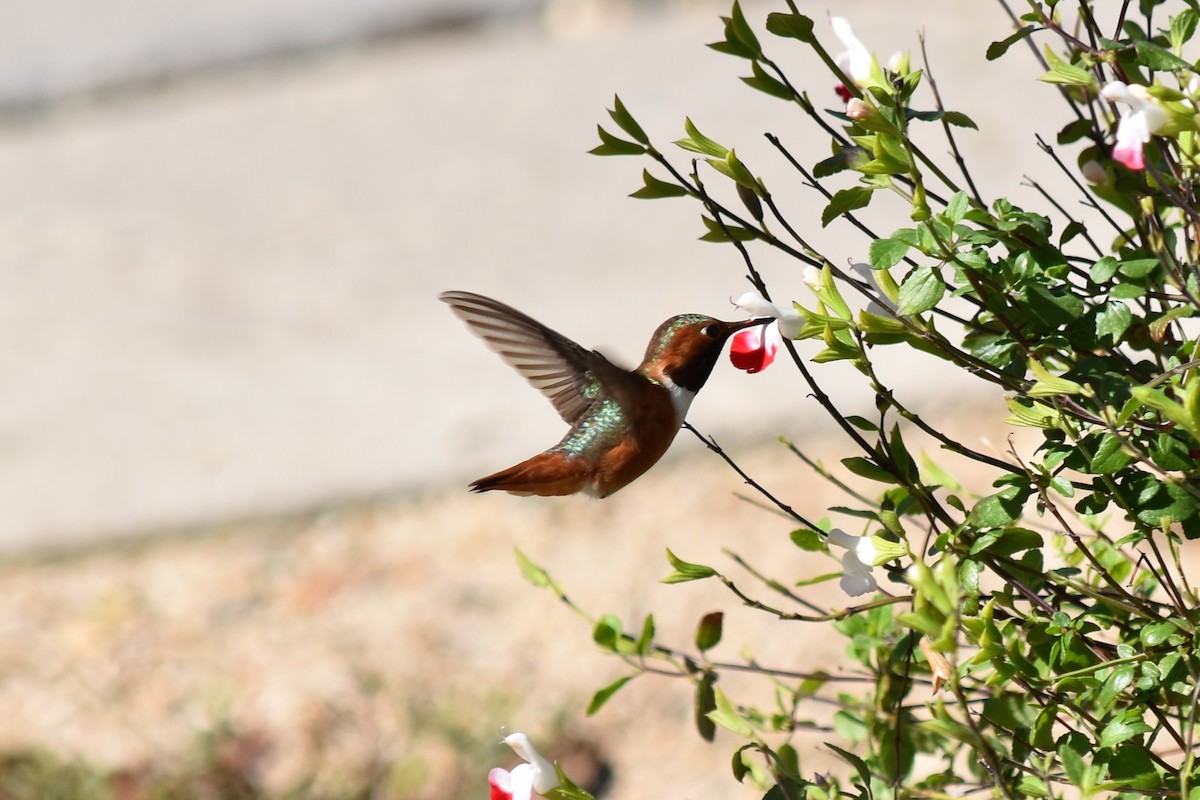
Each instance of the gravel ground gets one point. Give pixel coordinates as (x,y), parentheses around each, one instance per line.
(397,639)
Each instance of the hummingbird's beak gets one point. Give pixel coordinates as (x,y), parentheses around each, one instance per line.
(734,327)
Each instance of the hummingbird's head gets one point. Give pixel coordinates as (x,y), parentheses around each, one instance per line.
(684,349)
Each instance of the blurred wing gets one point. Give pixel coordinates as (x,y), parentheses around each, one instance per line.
(552,363)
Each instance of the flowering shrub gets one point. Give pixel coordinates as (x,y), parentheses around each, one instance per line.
(1052,615)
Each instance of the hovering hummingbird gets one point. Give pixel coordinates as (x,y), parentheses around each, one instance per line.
(622,422)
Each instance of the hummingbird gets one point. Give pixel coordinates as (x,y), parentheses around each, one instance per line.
(622,421)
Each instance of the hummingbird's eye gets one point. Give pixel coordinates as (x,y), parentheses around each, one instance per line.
(711,331)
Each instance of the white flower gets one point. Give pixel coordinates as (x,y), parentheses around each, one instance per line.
(856,59)
(789,319)
(857,578)
(537,774)
(1143,118)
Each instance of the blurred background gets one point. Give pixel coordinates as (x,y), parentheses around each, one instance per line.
(237,422)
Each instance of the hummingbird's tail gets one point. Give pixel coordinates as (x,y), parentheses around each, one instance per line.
(549,474)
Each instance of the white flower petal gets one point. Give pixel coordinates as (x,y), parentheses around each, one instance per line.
(754,304)
(544,777)
(856,60)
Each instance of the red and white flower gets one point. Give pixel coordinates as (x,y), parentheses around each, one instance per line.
(536,775)
(753,349)
(1143,118)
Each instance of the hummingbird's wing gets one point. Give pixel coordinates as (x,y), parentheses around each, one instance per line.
(556,366)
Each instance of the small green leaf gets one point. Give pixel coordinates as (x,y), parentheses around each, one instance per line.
(655,188)
(884,253)
(699,143)
(1064,73)
(535,574)
(768,84)
(706,703)
(1155,634)
(642,646)
(627,123)
(607,633)
(1119,731)
(708,632)
(727,716)
(867,469)
(685,571)
(1112,320)
(921,291)
(999,509)
(1109,457)
(1104,270)
(959,120)
(1137,268)
(845,201)
(1155,57)
(742,31)
(791,26)
(602,696)
(613,146)
(997,49)
(807,539)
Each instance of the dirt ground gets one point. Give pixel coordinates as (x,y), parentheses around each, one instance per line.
(389,644)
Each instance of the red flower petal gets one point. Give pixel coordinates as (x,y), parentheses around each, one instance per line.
(752,350)
(501,783)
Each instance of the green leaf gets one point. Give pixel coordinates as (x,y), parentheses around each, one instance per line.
(732,167)
(1064,73)
(1109,457)
(845,201)
(625,120)
(613,146)
(656,188)
(997,49)
(1049,385)
(742,31)
(642,646)
(921,291)
(1119,731)
(1138,268)
(860,766)
(1103,270)
(607,633)
(866,469)
(699,143)
(602,696)
(791,26)
(706,703)
(807,539)
(1112,320)
(685,571)
(1132,766)
(727,716)
(884,253)
(1182,27)
(959,120)
(1155,634)
(1074,750)
(728,232)
(708,632)
(1155,57)
(999,509)
(535,574)
(768,84)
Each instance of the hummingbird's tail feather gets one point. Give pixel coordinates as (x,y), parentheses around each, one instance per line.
(548,474)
